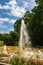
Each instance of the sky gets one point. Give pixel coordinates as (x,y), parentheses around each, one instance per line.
(11,10)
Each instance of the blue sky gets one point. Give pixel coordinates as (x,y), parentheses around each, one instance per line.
(11,10)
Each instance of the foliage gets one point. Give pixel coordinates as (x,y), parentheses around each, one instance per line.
(16,60)
(1,43)
(34,23)
(39,1)
(17,25)
(10,39)
(14,36)
(1,36)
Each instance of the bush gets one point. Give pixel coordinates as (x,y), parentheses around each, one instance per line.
(17,60)
(33,62)
(1,43)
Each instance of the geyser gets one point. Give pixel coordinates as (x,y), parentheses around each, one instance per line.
(4,50)
(25,44)
(24,38)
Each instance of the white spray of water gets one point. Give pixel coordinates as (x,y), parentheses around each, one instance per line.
(24,38)
(26,44)
(4,50)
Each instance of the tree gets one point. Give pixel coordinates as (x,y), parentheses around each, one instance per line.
(39,1)
(5,38)
(14,38)
(17,25)
(1,43)
(10,39)
(1,36)
(36,24)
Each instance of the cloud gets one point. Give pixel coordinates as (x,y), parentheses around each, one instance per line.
(12,21)
(2,20)
(12,2)
(4,7)
(15,10)
(28,4)
(18,12)
(11,30)
(3,26)
(32,3)
(1,31)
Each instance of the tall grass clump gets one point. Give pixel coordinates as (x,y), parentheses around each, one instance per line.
(18,60)
(1,43)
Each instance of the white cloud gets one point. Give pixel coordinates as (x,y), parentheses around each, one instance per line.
(32,3)
(15,10)
(18,12)
(11,30)
(3,26)
(12,21)
(1,31)
(12,2)
(4,7)
(25,4)
(28,4)
(2,20)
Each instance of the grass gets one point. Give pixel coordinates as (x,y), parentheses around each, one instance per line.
(16,48)
(17,60)
(10,49)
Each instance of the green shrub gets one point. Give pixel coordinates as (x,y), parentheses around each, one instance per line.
(17,60)
(14,60)
(1,43)
(33,62)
